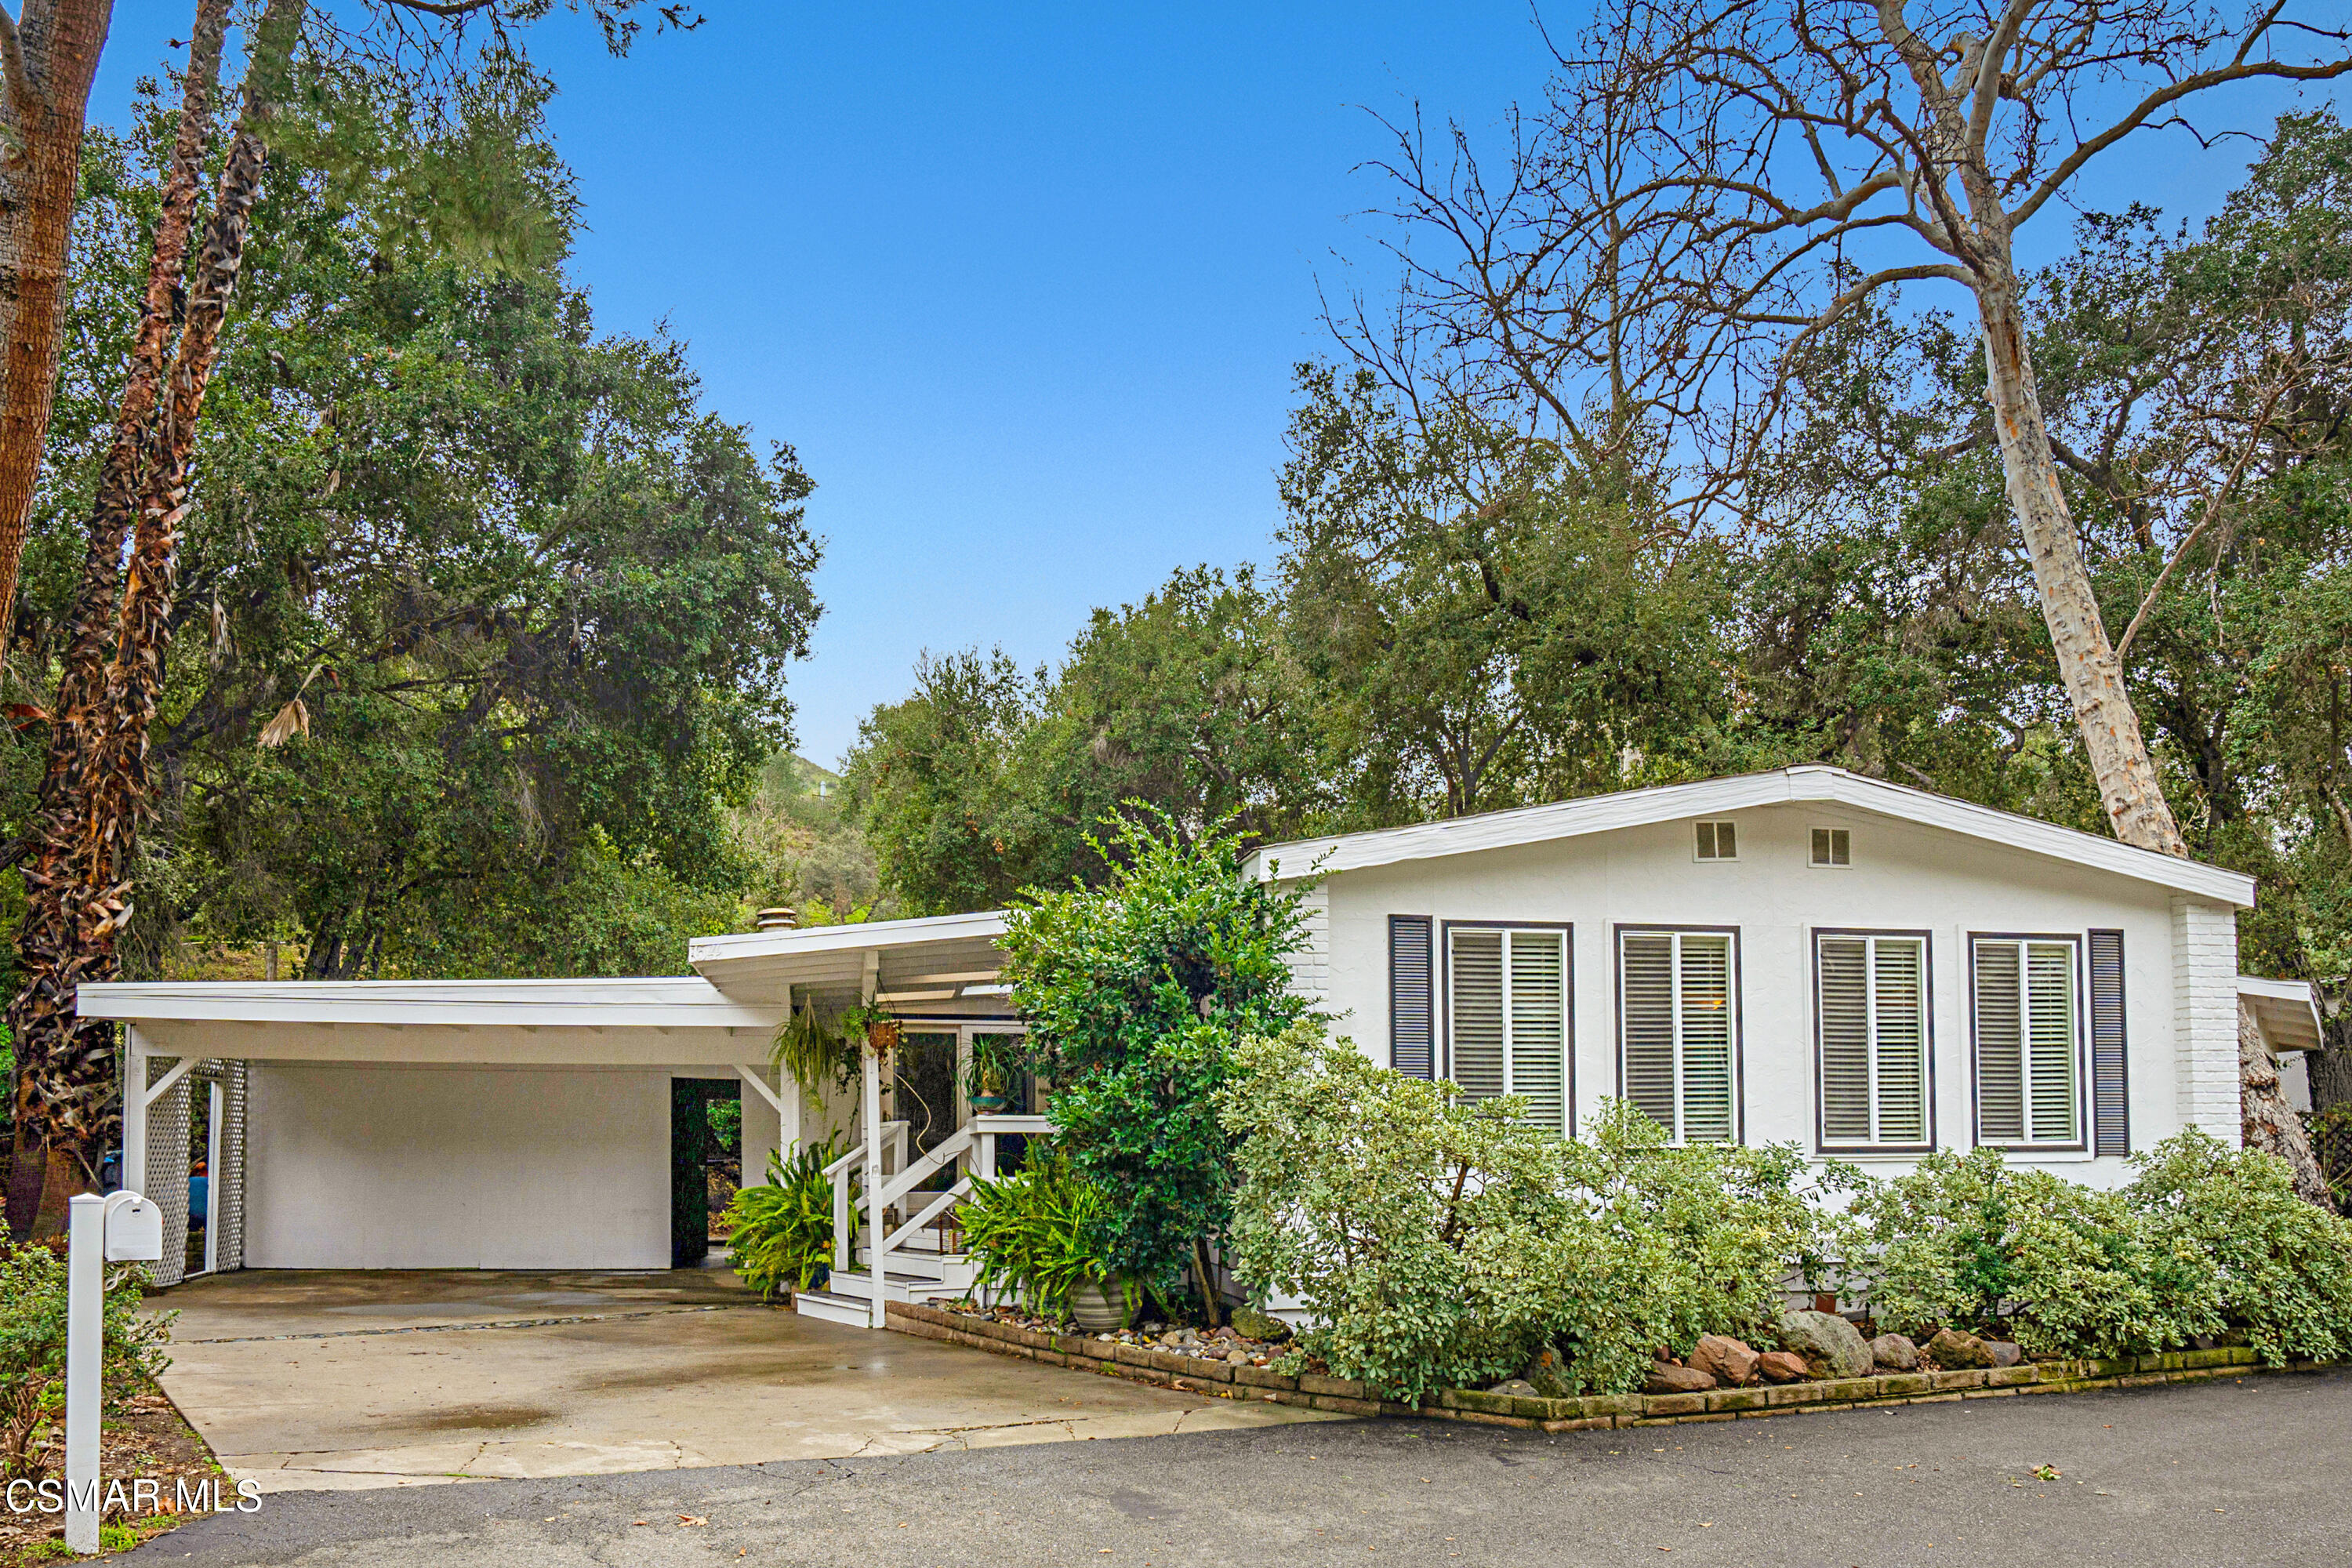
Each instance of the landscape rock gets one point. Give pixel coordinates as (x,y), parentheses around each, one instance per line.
(1957,1351)
(1780,1366)
(1724,1359)
(1828,1344)
(1547,1373)
(1667,1378)
(1895,1353)
(1252,1324)
(2005,1353)
(1514,1386)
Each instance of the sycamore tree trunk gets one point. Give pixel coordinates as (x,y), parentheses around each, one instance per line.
(96,791)
(2128,786)
(46,80)
(2270,1122)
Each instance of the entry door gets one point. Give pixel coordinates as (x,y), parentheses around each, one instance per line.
(928,1098)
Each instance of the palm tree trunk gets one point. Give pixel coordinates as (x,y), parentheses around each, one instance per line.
(95,790)
(45,97)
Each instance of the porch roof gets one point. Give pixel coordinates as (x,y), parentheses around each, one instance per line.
(2285,1010)
(943,965)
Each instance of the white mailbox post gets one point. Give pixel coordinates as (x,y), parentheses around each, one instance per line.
(121,1228)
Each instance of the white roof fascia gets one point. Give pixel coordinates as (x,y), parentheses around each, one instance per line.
(1668,802)
(857,938)
(685,1001)
(2286,1009)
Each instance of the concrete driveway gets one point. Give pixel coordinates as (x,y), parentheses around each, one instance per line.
(313,1381)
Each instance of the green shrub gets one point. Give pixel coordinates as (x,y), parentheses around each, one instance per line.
(1969,1241)
(1439,1242)
(1034,1234)
(33,1349)
(783,1231)
(2280,1268)
(1135,994)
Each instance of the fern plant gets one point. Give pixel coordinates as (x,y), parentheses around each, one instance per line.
(782,1234)
(809,1052)
(1031,1232)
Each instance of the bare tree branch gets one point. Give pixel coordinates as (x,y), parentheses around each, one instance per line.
(27,97)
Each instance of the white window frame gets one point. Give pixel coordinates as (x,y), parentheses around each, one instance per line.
(1735,1019)
(1509,931)
(2079,1004)
(1833,863)
(1871,938)
(1713,826)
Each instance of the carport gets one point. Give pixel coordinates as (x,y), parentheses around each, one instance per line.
(496,1124)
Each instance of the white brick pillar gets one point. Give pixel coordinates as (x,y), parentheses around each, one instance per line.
(2205,1015)
(1311,966)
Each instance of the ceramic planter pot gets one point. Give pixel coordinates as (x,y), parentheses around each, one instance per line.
(1096,1309)
(987,1104)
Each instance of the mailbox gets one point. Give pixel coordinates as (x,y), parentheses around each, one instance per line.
(135,1230)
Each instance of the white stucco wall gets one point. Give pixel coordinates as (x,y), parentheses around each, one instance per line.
(382,1166)
(1904,876)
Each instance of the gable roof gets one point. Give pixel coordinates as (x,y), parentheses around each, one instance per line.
(1668,802)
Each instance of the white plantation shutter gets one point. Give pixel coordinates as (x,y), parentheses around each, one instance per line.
(1705,1010)
(2026,1089)
(1845,1039)
(1678,1032)
(1539,1042)
(2050,970)
(1647,990)
(1899,1021)
(1476,995)
(1508,1015)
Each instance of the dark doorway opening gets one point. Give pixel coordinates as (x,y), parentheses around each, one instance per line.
(692,1144)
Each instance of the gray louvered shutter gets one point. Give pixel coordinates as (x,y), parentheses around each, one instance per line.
(2110,1075)
(1412,1016)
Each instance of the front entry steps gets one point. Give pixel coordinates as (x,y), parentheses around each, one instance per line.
(847,1297)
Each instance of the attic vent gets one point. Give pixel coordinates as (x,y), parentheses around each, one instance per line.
(776,920)
(1718,841)
(1833,847)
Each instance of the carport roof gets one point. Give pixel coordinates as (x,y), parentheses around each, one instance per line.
(683,1002)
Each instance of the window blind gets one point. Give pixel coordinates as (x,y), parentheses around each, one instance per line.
(2026,1090)
(1676,1032)
(1507,1006)
(1873,1039)
(1412,1016)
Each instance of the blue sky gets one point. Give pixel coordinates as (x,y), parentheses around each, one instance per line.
(1023,285)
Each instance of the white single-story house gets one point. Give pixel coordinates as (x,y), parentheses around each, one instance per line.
(1806,955)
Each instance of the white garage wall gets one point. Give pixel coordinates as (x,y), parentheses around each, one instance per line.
(382,1166)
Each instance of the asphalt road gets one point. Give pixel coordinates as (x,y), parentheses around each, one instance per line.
(2233,1473)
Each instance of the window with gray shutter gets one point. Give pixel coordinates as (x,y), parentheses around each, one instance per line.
(1871,1012)
(2027,1041)
(1678,1032)
(2110,1075)
(1411,1013)
(1507,1017)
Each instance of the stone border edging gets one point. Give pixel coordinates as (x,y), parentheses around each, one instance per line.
(1151,1364)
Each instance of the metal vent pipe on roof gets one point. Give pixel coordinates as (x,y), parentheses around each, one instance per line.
(776,920)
